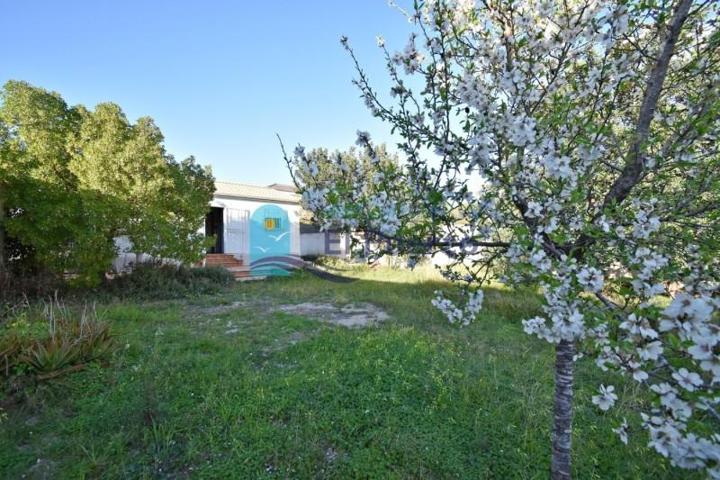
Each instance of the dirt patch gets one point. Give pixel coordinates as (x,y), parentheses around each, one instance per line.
(282,343)
(231,328)
(354,315)
(330,455)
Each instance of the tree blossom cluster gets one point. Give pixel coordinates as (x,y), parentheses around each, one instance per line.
(459,315)
(572,146)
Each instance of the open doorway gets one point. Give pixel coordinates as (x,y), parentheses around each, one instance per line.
(214,227)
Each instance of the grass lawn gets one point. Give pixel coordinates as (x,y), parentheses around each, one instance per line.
(228,386)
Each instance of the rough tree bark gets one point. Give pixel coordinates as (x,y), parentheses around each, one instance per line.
(562,430)
(2,234)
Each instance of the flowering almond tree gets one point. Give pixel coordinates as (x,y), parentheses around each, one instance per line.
(574,145)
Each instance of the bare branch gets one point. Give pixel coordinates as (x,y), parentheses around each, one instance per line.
(632,172)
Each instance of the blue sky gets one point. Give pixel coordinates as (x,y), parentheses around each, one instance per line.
(219,78)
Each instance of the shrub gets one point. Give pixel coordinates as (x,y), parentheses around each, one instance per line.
(169,281)
(15,286)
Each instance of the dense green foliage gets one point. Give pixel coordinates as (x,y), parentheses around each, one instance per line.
(73,179)
(147,281)
(225,387)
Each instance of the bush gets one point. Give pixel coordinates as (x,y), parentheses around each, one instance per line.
(17,286)
(149,281)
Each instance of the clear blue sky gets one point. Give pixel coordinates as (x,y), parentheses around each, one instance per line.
(219,78)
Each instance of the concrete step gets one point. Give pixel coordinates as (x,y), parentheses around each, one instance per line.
(238,270)
(222,260)
(231,263)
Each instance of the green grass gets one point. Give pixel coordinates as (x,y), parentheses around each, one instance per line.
(290,397)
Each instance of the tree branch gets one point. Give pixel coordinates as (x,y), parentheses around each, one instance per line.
(634,167)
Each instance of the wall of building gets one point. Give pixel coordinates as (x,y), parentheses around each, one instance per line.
(126,257)
(325,244)
(294,213)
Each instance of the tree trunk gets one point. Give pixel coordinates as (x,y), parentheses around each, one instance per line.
(2,234)
(366,248)
(562,427)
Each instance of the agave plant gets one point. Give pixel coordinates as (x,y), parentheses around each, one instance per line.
(53,354)
(71,341)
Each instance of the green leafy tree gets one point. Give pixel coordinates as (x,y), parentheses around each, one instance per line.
(74,179)
(333,165)
(164,201)
(172,229)
(40,207)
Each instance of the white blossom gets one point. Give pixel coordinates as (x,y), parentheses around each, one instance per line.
(606,397)
(622,431)
(651,350)
(591,278)
(462,316)
(516,138)
(688,380)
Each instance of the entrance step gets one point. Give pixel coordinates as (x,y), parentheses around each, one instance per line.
(231,263)
(222,260)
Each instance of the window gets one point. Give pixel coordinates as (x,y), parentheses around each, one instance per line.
(272,223)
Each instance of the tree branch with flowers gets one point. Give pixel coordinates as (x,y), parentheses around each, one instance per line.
(574,145)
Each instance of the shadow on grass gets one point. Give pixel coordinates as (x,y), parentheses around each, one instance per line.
(327,275)
(249,392)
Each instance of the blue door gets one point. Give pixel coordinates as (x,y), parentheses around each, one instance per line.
(269,241)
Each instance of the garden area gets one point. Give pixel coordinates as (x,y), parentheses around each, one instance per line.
(263,380)
(524,224)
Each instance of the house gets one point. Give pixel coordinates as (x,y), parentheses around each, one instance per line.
(257,232)
(256,229)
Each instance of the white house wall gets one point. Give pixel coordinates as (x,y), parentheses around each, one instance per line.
(294,213)
(126,258)
(325,244)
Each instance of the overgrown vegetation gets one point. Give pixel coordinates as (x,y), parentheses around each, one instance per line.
(149,281)
(50,338)
(227,385)
(35,283)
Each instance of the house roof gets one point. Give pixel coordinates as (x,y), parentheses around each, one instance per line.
(253,192)
(283,187)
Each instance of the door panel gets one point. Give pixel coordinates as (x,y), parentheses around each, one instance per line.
(236,232)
